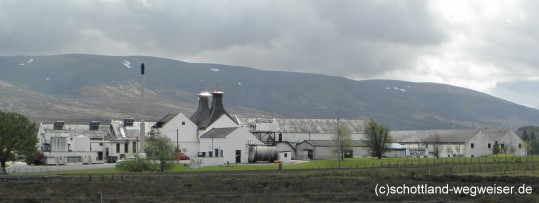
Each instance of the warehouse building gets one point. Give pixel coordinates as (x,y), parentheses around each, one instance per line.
(466,143)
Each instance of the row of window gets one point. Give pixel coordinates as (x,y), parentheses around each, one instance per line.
(501,146)
(218,153)
(126,147)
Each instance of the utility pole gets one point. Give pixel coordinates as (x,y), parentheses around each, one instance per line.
(340,143)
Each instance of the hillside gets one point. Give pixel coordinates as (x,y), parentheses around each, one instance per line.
(82,87)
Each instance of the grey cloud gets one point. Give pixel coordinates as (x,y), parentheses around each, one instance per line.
(354,39)
(336,38)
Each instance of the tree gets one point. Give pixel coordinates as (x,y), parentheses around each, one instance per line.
(159,147)
(525,135)
(17,138)
(377,138)
(496,149)
(342,139)
(436,147)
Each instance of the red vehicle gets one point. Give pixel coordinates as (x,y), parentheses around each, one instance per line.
(182,156)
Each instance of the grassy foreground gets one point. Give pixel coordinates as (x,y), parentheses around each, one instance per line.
(314,181)
(455,165)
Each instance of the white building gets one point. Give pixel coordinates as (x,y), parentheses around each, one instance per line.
(72,143)
(231,144)
(76,143)
(468,143)
(186,132)
(182,131)
(124,140)
(287,134)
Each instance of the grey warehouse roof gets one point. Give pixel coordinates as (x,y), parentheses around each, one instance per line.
(426,136)
(323,126)
(331,143)
(76,130)
(122,131)
(444,136)
(218,132)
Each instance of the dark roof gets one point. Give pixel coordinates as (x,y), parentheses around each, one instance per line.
(218,132)
(164,120)
(202,115)
(331,143)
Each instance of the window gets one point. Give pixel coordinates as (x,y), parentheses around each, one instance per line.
(210,154)
(100,144)
(183,122)
(520,146)
(117,148)
(126,147)
(503,146)
(489,145)
(134,147)
(221,153)
(285,155)
(471,145)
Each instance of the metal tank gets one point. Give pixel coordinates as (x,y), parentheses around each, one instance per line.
(262,153)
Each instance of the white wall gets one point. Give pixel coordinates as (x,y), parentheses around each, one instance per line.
(236,140)
(222,122)
(60,158)
(80,144)
(187,138)
(59,144)
(300,137)
(480,142)
(285,147)
(285,157)
(511,142)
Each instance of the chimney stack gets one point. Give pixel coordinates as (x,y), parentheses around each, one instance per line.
(142,123)
(202,113)
(217,108)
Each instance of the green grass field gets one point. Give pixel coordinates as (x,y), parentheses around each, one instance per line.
(453,163)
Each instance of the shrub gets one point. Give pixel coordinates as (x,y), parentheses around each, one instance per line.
(137,165)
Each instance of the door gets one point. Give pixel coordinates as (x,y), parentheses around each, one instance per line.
(238,156)
(310,154)
(348,153)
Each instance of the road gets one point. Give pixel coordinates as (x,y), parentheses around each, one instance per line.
(20,167)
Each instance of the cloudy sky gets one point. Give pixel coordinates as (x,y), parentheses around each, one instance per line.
(490,46)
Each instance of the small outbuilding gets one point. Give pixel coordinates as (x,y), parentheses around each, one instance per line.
(326,149)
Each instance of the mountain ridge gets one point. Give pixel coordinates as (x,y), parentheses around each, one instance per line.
(78,86)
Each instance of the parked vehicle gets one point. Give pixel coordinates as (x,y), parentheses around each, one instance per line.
(182,156)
